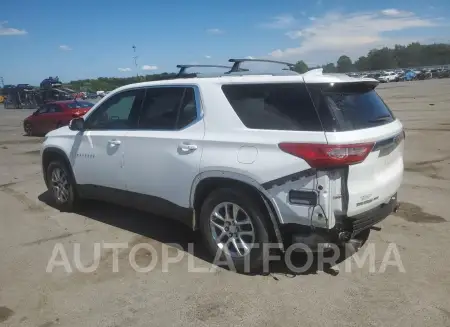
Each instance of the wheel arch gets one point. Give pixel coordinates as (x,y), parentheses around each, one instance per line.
(205,182)
(52,153)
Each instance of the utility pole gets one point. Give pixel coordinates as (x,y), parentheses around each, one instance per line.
(135,60)
(2,81)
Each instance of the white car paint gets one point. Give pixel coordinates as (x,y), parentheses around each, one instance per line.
(169,164)
(388,77)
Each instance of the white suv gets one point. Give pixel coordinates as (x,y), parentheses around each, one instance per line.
(246,158)
(388,77)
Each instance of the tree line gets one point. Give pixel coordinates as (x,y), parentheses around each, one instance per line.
(401,56)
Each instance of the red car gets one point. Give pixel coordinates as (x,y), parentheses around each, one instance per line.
(54,115)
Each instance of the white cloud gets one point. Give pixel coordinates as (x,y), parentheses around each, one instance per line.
(294,34)
(249,57)
(8,31)
(396,13)
(148,67)
(65,48)
(208,57)
(124,69)
(214,31)
(353,34)
(312,18)
(280,22)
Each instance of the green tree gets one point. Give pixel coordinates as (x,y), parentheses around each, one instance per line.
(401,56)
(344,64)
(384,58)
(362,64)
(329,68)
(301,67)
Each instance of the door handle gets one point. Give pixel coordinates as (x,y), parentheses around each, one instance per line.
(187,147)
(114,142)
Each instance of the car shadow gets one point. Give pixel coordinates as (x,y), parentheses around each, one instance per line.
(171,232)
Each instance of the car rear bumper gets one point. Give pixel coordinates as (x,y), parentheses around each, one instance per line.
(356,224)
(347,228)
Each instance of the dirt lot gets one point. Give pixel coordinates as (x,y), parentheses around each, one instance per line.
(30,229)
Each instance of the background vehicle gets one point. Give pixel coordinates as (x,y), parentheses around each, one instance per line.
(20,96)
(388,77)
(53,115)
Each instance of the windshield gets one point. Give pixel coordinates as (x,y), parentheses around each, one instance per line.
(350,106)
(80,105)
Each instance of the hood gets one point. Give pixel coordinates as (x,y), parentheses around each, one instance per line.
(65,130)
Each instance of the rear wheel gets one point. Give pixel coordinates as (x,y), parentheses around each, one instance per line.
(28,129)
(232,222)
(61,185)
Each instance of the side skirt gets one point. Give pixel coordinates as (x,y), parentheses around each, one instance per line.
(143,202)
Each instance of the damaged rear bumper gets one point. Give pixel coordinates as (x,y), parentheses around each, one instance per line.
(346,228)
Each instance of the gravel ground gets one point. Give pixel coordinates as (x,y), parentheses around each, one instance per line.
(30,229)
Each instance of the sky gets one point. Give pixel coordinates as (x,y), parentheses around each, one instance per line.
(89,39)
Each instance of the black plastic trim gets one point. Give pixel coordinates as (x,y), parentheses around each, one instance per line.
(305,198)
(143,202)
(394,140)
(289,178)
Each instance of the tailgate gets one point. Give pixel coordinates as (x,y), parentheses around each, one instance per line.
(375,180)
(353,113)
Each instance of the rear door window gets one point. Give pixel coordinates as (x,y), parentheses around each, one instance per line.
(168,108)
(349,106)
(53,108)
(273,106)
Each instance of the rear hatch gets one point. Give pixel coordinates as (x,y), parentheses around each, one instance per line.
(354,115)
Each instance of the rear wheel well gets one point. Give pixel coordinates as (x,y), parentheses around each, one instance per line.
(207,185)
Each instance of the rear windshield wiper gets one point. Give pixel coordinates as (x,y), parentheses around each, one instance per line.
(380,119)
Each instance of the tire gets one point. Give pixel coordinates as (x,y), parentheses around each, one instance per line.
(250,210)
(58,178)
(28,128)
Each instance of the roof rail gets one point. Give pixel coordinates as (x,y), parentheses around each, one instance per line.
(237,63)
(183,68)
(315,71)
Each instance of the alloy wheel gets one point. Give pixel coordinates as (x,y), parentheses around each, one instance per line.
(232,229)
(60,185)
(28,129)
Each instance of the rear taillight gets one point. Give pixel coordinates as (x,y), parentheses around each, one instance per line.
(77,114)
(328,155)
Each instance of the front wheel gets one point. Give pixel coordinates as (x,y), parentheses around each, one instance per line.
(235,229)
(61,185)
(28,129)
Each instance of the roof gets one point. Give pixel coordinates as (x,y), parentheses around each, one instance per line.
(309,77)
(237,75)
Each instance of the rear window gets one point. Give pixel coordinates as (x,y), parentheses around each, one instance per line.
(80,105)
(274,106)
(349,106)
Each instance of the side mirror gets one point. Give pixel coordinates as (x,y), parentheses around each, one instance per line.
(77,124)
